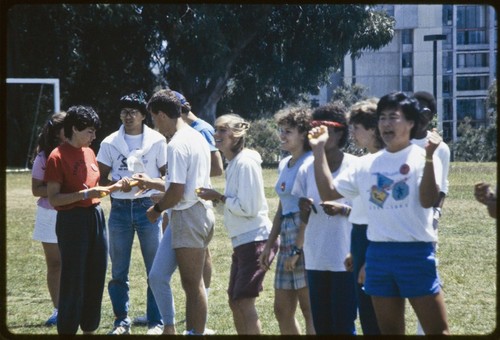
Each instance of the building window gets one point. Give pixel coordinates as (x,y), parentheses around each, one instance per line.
(475,108)
(471,25)
(447,119)
(407,59)
(447,85)
(448,61)
(447,15)
(472,83)
(447,109)
(407,83)
(407,37)
(472,60)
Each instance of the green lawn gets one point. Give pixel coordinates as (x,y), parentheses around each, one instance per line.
(467,253)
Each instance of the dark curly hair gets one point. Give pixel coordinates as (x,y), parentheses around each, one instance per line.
(81,117)
(299,117)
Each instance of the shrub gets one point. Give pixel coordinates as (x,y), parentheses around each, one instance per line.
(476,144)
(263,137)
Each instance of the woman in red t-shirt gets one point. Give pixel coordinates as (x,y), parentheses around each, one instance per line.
(72,176)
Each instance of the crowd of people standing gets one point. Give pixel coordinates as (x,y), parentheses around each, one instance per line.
(351,235)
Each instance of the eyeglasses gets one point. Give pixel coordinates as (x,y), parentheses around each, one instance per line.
(131,113)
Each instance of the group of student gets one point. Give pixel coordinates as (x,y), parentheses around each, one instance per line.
(351,234)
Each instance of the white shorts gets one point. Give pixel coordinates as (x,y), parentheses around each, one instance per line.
(45,225)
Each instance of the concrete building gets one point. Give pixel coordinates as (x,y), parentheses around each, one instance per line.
(465,61)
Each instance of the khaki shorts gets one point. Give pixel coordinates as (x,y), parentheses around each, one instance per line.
(192,227)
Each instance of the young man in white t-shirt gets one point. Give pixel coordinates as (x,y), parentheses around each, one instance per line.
(134,148)
(192,219)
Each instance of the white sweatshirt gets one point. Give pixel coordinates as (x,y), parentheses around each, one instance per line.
(246,206)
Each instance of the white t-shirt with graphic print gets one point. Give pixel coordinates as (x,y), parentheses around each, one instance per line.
(388,184)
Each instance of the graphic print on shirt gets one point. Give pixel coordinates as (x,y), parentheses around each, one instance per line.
(387,187)
(123,163)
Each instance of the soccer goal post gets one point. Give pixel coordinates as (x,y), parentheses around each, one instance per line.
(57,101)
(51,81)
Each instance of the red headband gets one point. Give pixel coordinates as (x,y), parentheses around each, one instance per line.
(327,123)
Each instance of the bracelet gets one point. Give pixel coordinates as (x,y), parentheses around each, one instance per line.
(296,251)
(85,195)
(428,160)
(157,208)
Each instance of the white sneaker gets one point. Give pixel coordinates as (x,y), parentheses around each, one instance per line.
(207,331)
(156,330)
(120,330)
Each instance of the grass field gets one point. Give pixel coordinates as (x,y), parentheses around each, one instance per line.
(467,254)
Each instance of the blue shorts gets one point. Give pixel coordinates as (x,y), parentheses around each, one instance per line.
(401,269)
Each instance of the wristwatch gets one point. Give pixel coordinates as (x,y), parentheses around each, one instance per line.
(296,251)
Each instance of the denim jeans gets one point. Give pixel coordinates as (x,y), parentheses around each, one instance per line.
(359,244)
(160,275)
(333,302)
(126,218)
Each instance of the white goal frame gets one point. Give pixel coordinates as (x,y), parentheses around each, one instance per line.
(51,81)
(57,101)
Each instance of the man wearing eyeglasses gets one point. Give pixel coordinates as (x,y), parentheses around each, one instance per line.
(134,148)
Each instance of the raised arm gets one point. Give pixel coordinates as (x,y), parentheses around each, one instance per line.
(317,139)
(429,190)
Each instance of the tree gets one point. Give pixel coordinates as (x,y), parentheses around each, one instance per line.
(251,59)
(479,144)
(257,58)
(99,52)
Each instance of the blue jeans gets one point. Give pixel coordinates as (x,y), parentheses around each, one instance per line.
(127,217)
(160,275)
(333,302)
(359,244)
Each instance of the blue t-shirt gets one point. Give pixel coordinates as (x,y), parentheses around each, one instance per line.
(207,131)
(284,185)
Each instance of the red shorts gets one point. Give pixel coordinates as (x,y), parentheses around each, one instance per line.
(246,277)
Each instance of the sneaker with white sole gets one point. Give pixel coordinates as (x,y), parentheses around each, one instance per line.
(207,331)
(52,320)
(155,330)
(120,330)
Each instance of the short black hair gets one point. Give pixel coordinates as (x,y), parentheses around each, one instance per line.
(409,107)
(425,99)
(81,117)
(136,100)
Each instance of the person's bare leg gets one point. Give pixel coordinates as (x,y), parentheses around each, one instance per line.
(53,260)
(207,269)
(390,312)
(285,305)
(169,329)
(246,319)
(191,262)
(431,312)
(305,307)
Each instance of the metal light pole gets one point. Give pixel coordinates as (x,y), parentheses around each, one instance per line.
(434,38)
